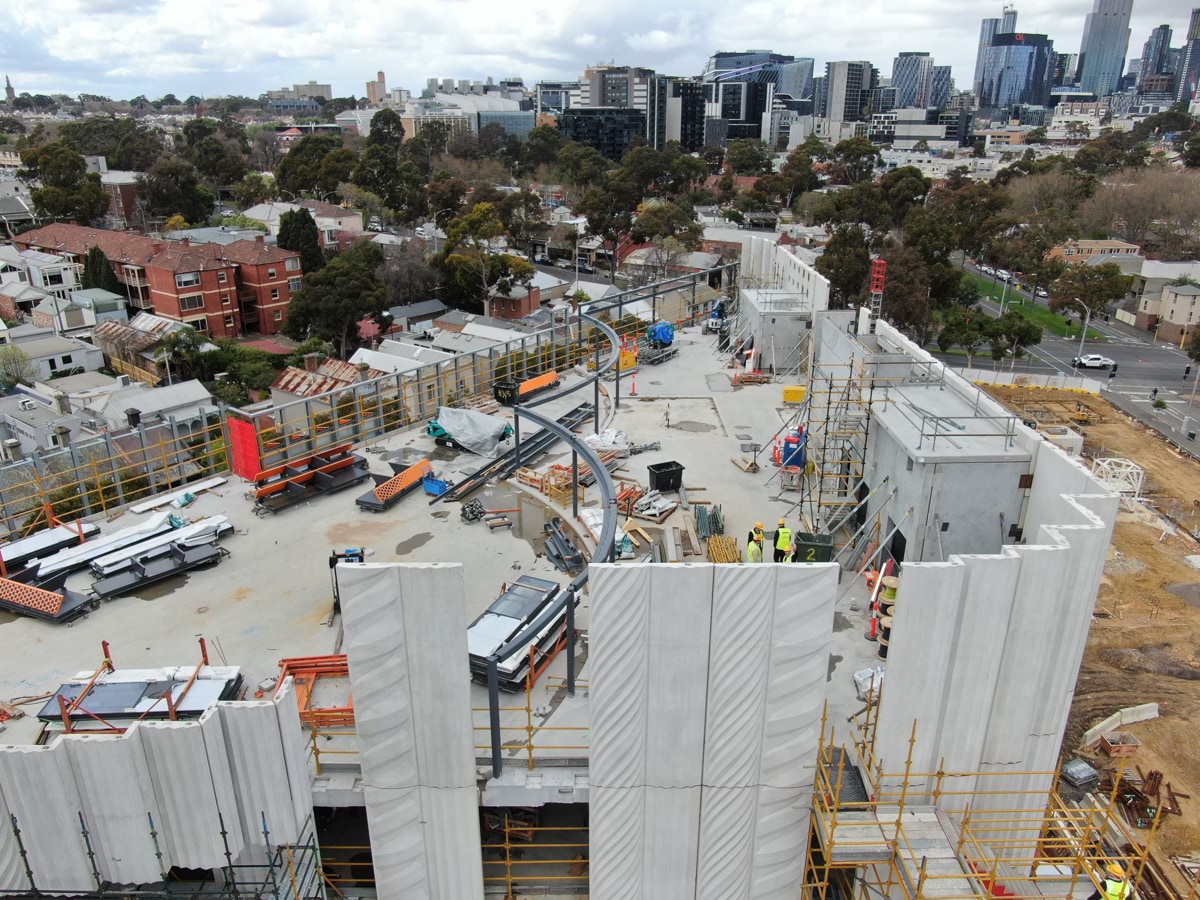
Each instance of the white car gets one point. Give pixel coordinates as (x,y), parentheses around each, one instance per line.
(1003,274)
(1092,361)
(987,270)
(1041,292)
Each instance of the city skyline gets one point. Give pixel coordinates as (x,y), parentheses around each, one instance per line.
(260,45)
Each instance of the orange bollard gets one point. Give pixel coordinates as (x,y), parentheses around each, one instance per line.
(633,386)
(871,635)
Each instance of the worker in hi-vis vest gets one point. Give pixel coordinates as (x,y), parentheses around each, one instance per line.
(756,533)
(1115,885)
(783,541)
(754,547)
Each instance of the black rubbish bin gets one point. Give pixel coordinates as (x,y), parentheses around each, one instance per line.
(813,547)
(666,477)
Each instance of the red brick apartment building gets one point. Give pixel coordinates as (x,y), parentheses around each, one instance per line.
(220,290)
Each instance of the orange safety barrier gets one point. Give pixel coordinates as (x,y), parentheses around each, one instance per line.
(304,671)
(276,487)
(277,471)
(31,597)
(402,482)
(530,385)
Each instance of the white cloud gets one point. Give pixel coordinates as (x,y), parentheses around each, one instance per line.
(155,46)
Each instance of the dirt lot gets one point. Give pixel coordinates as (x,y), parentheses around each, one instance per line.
(1144,644)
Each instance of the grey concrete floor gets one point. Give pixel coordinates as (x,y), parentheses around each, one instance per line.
(270,599)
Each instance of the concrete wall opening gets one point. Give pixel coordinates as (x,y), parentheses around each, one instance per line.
(535,851)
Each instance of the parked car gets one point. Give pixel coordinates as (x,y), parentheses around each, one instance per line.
(542,259)
(1042,292)
(564,263)
(1003,274)
(987,270)
(1092,361)
(585,268)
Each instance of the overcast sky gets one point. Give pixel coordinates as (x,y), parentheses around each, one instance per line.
(122,48)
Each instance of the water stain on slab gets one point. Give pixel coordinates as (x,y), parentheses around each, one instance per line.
(443,514)
(694,427)
(834,659)
(841,622)
(160,590)
(6,617)
(410,544)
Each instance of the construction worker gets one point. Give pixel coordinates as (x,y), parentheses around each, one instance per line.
(754,547)
(1115,885)
(756,533)
(783,541)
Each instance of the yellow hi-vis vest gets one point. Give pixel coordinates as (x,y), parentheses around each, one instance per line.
(783,538)
(1115,889)
(753,551)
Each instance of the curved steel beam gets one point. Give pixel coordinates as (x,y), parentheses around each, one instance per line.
(614,341)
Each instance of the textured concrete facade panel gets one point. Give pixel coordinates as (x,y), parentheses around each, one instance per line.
(722,668)
(414,727)
(114,787)
(38,789)
(264,798)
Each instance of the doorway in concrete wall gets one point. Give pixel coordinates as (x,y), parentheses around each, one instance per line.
(535,851)
(898,544)
(345,844)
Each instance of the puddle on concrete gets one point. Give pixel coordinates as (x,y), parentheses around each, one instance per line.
(841,622)
(443,514)
(160,590)
(694,427)
(412,543)
(6,617)
(834,659)
(442,454)
(529,516)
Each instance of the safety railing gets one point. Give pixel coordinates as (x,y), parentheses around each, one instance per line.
(332,748)
(517,862)
(532,740)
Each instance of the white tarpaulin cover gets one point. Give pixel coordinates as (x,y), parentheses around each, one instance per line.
(476,431)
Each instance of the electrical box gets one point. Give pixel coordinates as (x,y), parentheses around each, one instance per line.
(794,393)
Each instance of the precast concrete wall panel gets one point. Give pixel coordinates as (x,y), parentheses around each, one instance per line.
(924,626)
(39,790)
(118,803)
(618,692)
(12,874)
(413,720)
(260,780)
(194,790)
(721,671)
(295,751)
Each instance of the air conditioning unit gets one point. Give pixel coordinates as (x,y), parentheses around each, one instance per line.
(28,404)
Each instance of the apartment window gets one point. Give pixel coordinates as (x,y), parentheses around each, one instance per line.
(222,277)
(66,360)
(270,273)
(52,364)
(277,316)
(187,279)
(226,299)
(54,279)
(274,293)
(292,265)
(200,325)
(190,304)
(229,322)
(294,284)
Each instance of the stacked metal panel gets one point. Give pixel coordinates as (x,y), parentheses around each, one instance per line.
(169,788)
(706,687)
(413,718)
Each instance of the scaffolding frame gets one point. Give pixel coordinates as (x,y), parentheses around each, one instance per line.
(863,849)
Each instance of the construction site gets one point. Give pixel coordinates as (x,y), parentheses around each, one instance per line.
(490,628)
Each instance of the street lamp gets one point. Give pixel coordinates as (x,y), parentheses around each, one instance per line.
(435,225)
(1083,332)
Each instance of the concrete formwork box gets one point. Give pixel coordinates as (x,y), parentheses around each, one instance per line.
(413,718)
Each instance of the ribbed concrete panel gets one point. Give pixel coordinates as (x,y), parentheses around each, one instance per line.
(295,756)
(12,876)
(194,796)
(114,786)
(743,608)
(39,790)
(721,667)
(619,638)
(260,782)
(412,715)
(801,637)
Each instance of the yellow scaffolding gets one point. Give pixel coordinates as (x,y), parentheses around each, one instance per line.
(923,835)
